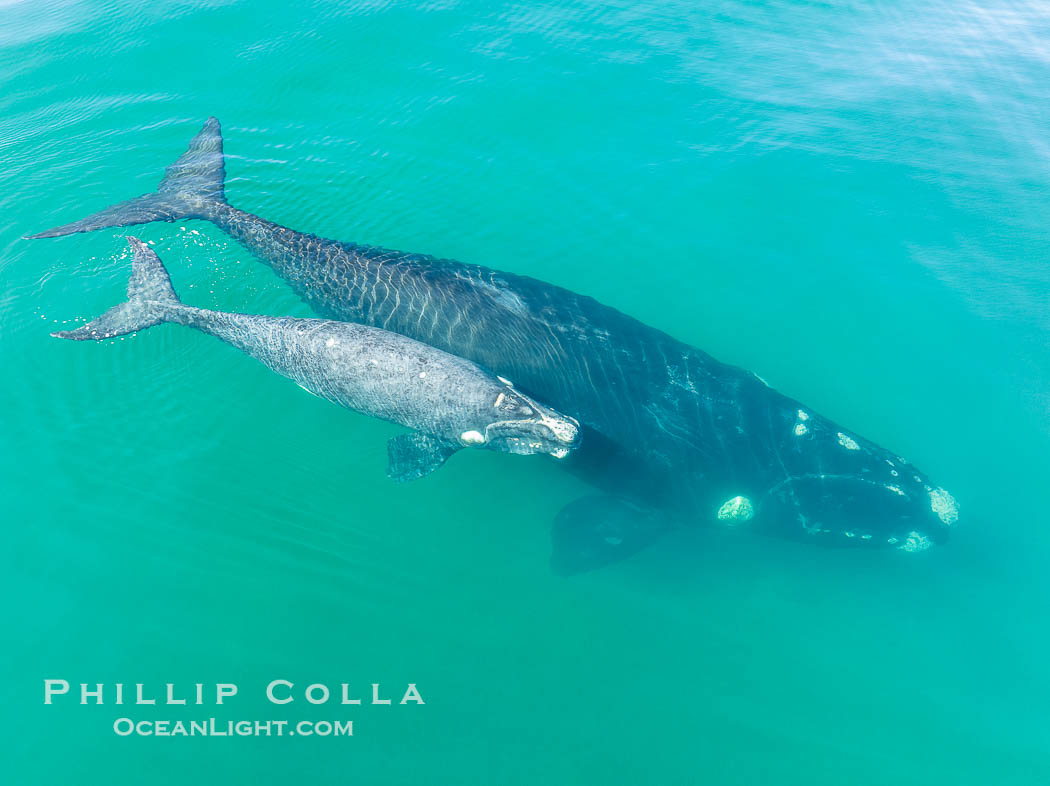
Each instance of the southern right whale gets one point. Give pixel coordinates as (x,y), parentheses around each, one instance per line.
(671,434)
(448,402)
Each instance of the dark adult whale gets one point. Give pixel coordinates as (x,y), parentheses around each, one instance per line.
(670,433)
(448,402)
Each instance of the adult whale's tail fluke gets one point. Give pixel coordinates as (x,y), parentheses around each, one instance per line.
(190,186)
(149,293)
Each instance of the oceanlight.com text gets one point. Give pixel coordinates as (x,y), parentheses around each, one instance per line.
(211,727)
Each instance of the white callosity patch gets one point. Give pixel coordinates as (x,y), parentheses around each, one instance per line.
(943,504)
(916,541)
(896,490)
(472,438)
(565,430)
(736,509)
(848,442)
(801,429)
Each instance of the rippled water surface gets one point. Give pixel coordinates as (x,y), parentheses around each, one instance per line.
(850,199)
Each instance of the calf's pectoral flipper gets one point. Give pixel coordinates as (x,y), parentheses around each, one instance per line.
(414,455)
(592,532)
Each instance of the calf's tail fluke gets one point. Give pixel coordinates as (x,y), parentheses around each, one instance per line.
(149,293)
(190,186)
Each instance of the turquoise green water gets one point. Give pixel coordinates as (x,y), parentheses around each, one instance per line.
(852,200)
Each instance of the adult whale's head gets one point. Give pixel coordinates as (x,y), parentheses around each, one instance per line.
(840,489)
(522,425)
